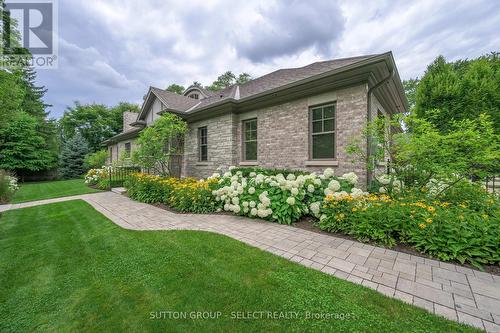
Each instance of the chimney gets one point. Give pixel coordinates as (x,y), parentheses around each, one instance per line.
(128,118)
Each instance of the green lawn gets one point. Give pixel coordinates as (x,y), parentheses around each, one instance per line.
(65,267)
(52,189)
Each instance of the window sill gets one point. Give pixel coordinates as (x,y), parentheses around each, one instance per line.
(202,163)
(249,163)
(322,163)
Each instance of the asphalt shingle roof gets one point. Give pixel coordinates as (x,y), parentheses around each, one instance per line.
(256,86)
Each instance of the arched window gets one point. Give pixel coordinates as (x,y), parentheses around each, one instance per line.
(195,96)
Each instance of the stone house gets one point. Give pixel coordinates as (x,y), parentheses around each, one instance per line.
(295,118)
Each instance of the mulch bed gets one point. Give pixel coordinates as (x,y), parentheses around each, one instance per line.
(308,223)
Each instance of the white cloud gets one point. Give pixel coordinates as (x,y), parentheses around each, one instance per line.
(113,50)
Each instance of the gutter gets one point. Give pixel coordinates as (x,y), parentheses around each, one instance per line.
(369,120)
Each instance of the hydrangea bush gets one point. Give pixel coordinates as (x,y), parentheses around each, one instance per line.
(8,186)
(99,177)
(279,197)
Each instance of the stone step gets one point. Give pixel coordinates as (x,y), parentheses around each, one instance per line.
(119,190)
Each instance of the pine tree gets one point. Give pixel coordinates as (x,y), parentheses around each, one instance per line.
(73,157)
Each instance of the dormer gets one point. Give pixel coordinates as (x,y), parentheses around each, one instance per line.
(196,92)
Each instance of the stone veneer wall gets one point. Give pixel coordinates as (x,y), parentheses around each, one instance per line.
(221,146)
(283,135)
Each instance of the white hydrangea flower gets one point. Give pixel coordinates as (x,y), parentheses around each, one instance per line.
(252,174)
(252,204)
(310,188)
(227,207)
(327,191)
(315,207)
(245,210)
(227,174)
(290,201)
(334,185)
(216,175)
(290,176)
(328,173)
(235,201)
(356,192)
(253,211)
(245,204)
(351,177)
(384,179)
(322,217)
(236,209)
(231,168)
(251,190)
(317,182)
(295,191)
(263,213)
(382,190)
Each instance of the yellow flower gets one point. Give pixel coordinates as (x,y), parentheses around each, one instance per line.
(421,225)
(429,220)
(485,216)
(342,215)
(431,209)
(461,217)
(354,209)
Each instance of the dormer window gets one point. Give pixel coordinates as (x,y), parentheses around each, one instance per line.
(194,96)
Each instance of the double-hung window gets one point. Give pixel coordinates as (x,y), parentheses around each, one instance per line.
(203,144)
(322,128)
(128,148)
(250,140)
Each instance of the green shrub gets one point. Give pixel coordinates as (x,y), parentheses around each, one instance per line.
(146,188)
(442,229)
(96,160)
(8,186)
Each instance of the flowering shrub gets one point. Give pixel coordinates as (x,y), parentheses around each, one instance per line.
(183,195)
(442,229)
(99,177)
(276,196)
(8,186)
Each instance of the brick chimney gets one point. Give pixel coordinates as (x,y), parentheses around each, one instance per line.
(128,118)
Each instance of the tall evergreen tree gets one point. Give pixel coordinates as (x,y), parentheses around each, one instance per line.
(73,157)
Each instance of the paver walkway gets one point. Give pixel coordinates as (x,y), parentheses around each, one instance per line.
(455,292)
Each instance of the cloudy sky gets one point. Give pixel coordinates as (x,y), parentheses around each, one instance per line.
(113,50)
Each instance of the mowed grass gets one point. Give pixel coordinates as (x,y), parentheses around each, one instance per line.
(51,189)
(65,267)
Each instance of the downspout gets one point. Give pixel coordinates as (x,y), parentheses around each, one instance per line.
(369,120)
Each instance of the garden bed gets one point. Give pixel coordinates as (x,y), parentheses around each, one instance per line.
(463,227)
(310,224)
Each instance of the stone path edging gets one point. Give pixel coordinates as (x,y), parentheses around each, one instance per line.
(448,290)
